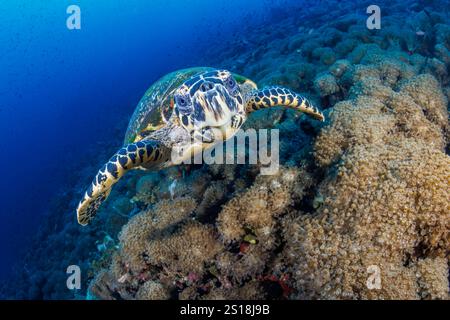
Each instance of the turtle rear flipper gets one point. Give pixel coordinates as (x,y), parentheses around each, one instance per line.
(146,153)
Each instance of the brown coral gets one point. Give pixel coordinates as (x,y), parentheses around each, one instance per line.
(134,235)
(152,290)
(186,251)
(386,207)
(257,207)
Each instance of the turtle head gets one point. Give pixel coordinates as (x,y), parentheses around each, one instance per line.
(209,101)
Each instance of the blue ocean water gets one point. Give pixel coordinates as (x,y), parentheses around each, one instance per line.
(62,91)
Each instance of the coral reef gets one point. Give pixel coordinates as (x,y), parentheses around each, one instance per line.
(365,194)
(386,204)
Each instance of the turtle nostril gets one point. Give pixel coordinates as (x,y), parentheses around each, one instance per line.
(206,86)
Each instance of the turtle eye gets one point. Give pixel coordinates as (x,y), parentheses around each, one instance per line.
(231,82)
(183,103)
(231,85)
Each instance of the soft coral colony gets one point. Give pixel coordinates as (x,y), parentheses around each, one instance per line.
(371,189)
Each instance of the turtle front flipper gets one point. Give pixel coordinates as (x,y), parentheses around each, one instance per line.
(146,153)
(279,96)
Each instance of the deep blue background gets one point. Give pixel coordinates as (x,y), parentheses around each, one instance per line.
(61,90)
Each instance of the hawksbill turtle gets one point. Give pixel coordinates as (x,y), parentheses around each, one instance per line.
(194,104)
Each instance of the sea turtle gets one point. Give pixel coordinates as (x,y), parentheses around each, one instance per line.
(185,110)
